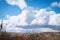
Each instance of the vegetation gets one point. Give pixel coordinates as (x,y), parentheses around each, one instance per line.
(33,36)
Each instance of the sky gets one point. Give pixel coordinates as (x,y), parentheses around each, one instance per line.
(18,14)
(6,9)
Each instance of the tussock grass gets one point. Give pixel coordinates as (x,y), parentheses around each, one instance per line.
(33,36)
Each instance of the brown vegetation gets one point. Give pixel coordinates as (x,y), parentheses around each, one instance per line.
(34,36)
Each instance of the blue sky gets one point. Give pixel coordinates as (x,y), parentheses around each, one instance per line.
(5,8)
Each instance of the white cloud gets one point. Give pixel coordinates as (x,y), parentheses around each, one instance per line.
(55,4)
(39,21)
(0,24)
(42,17)
(55,19)
(0,21)
(48,8)
(30,16)
(20,3)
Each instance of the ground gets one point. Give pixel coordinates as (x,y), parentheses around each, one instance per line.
(32,36)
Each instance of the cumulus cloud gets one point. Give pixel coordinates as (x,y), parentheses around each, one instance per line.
(55,19)
(55,4)
(29,17)
(20,3)
(42,17)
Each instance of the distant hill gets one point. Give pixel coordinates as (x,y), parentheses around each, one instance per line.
(32,36)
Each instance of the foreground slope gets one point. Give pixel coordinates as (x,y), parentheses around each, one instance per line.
(33,36)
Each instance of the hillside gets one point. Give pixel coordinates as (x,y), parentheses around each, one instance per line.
(33,36)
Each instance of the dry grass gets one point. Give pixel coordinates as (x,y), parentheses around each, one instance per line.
(34,36)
